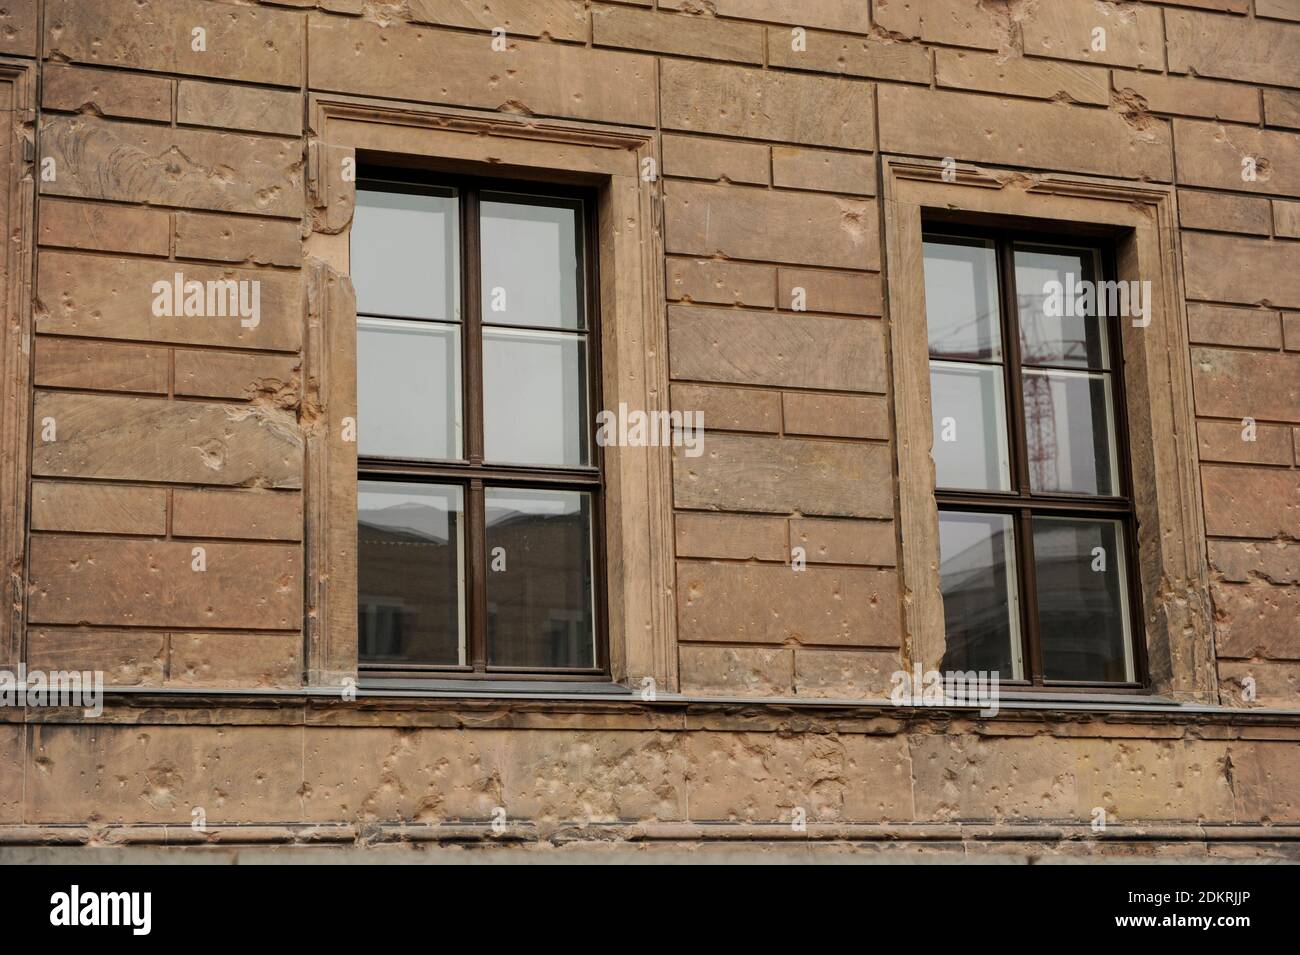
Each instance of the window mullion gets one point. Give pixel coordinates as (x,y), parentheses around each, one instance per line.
(471,271)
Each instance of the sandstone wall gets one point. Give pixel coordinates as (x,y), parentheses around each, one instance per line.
(149,156)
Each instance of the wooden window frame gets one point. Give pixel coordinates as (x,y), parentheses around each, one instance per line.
(1176,628)
(471,473)
(1022,503)
(611,162)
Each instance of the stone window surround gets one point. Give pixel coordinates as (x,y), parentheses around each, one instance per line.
(1176,620)
(16,208)
(638,489)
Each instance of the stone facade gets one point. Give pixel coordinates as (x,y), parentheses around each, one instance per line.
(213,138)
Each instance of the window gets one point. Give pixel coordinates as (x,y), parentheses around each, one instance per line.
(479,485)
(1036,517)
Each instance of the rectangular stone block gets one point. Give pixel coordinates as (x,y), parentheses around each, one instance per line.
(1233,48)
(1242,384)
(104,582)
(851,174)
(18,30)
(153,439)
(1190,96)
(1272,685)
(785,476)
(744,223)
(546,79)
(235,659)
(1224,325)
(773,604)
(104,228)
(1021,76)
(950,22)
(722,283)
(755,348)
(736,671)
(98,366)
(849,16)
(1282,108)
(844,674)
(677,35)
(192,168)
(835,416)
(103,297)
(1250,502)
(1237,157)
(760,104)
(249,515)
(1286,219)
(1066,29)
(1021,133)
(1227,268)
(1277,562)
(865,56)
(557,19)
(125,657)
(730,409)
(1233,441)
(200,103)
(1214,211)
(870,543)
(75,89)
(848,293)
(1256,620)
(240,42)
(237,239)
(214,374)
(694,157)
(98,508)
(731,536)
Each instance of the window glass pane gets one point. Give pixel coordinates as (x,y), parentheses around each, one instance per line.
(405,258)
(535,397)
(1082,599)
(961,299)
(1070,433)
(977,575)
(410,573)
(970,435)
(408,389)
(539,583)
(1048,288)
(532,262)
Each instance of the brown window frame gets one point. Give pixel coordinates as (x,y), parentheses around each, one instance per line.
(471,473)
(1020,502)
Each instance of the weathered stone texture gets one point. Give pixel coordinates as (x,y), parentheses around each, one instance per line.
(743,223)
(1021,133)
(775,475)
(198,169)
(252,44)
(542,78)
(755,104)
(798,351)
(104,582)
(151,439)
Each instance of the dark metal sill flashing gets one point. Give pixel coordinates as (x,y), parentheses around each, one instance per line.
(613,693)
